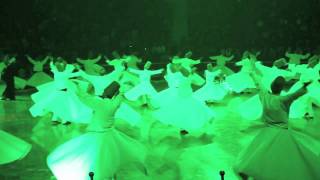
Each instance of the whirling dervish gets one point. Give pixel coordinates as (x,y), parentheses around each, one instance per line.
(59,97)
(241,81)
(212,91)
(190,65)
(177,105)
(277,144)
(103,80)
(102,150)
(39,77)
(144,89)
(221,61)
(90,65)
(295,58)
(128,79)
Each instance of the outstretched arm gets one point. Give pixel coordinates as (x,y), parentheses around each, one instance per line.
(287,100)
(258,53)
(245,55)
(188,54)
(288,55)
(193,62)
(239,63)
(69,68)
(135,71)
(154,72)
(45,60)
(306,56)
(256,75)
(97,59)
(81,61)
(230,58)
(53,67)
(117,64)
(75,74)
(32,61)
(126,58)
(111,62)
(168,69)
(214,57)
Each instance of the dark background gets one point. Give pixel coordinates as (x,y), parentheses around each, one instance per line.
(82,28)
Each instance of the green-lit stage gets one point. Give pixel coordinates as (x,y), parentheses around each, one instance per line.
(174,157)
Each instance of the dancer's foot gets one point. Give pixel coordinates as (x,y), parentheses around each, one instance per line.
(10,99)
(243,176)
(184,132)
(145,105)
(66,123)
(55,123)
(308,116)
(208,103)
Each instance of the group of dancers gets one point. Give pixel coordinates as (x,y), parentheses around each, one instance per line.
(110,119)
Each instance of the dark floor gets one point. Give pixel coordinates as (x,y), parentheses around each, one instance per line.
(15,119)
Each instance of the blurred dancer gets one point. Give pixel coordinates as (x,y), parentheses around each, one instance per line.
(90,65)
(189,64)
(278,152)
(221,61)
(39,77)
(8,77)
(129,79)
(212,91)
(178,106)
(101,81)
(241,81)
(3,85)
(144,89)
(295,58)
(102,149)
(59,97)
(12,148)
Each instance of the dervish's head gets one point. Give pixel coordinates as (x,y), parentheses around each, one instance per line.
(277,85)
